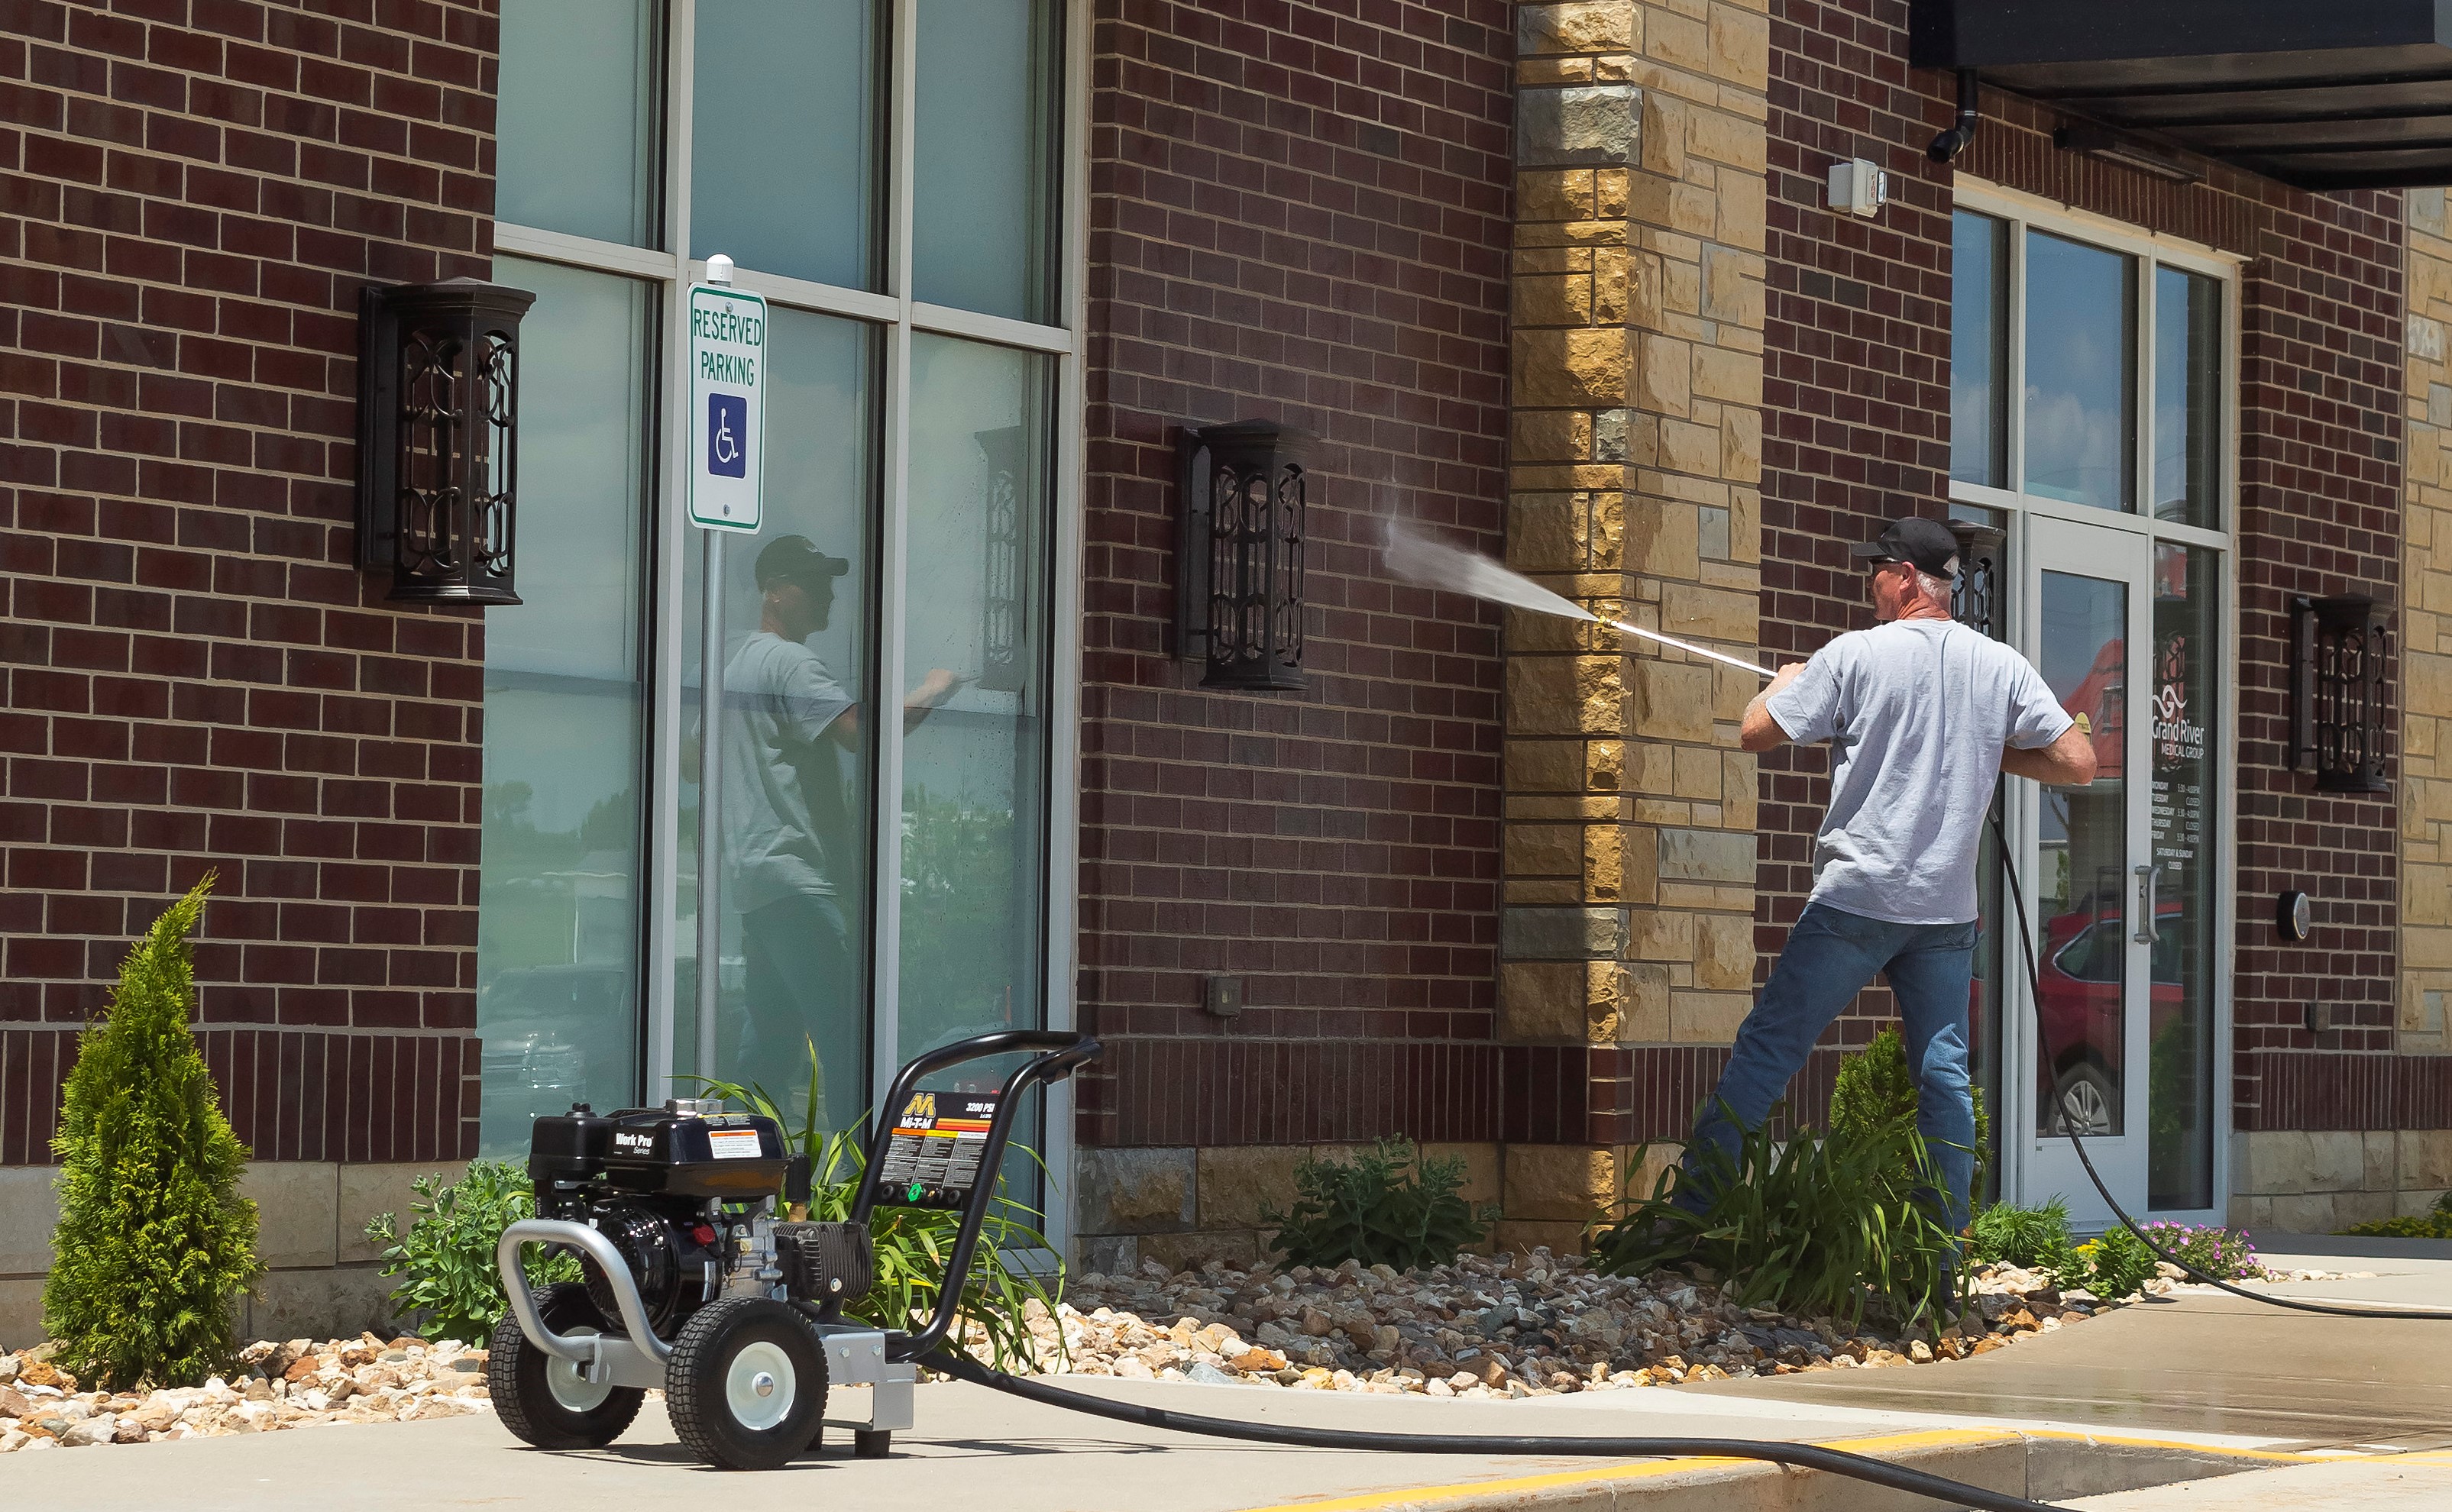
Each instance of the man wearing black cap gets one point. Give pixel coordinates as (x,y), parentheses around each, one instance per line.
(786,816)
(1921,712)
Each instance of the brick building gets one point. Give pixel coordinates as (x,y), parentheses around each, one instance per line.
(1565,282)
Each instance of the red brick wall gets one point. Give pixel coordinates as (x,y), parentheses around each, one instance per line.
(1298,212)
(1856,431)
(191,192)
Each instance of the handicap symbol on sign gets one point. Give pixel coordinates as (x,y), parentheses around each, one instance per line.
(727,435)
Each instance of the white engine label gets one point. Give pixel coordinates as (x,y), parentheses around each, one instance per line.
(734,1144)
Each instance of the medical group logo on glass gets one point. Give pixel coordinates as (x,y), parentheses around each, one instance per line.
(727,365)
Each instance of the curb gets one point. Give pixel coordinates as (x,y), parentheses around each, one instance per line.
(2045,1466)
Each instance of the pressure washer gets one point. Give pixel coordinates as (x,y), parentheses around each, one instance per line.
(694,1282)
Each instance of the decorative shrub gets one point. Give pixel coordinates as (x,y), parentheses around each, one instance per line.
(2224,1254)
(913,1244)
(2035,1238)
(446,1259)
(1875,1090)
(2433,1224)
(1387,1206)
(1831,1223)
(2114,1267)
(154,1244)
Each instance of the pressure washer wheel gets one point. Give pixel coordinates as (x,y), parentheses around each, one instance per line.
(746,1385)
(545,1400)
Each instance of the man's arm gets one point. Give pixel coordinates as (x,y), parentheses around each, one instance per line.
(2067,762)
(1760,732)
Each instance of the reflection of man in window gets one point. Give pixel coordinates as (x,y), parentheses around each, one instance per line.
(787,821)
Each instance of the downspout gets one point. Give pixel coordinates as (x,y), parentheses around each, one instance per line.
(1948,144)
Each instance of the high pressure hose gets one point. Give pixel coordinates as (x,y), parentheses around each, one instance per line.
(1798,1456)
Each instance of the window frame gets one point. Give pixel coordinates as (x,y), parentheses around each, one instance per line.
(674,551)
(2015,506)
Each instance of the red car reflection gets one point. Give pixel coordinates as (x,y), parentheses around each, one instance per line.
(2081,973)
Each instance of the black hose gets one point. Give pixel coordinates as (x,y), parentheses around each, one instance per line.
(1798,1456)
(2069,1127)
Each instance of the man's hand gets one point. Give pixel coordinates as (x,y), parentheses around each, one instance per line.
(1760,732)
(934,689)
(2067,762)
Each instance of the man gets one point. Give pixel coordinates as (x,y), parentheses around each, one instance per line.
(1920,712)
(788,825)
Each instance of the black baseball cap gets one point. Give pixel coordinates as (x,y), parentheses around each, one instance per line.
(793,559)
(1926,543)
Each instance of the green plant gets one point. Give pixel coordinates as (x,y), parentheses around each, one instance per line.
(1875,1090)
(2035,1238)
(2435,1224)
(1389,1206)
(1827,1222)
(445,1257)
(2113,1266)
(913,1245)
(154,1242)
(2223,1253)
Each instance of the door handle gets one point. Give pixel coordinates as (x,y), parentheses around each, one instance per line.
(2146,877)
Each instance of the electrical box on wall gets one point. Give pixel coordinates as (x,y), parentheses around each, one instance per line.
(1859,187)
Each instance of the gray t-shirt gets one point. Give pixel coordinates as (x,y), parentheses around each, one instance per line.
(1916,712)
(779,777)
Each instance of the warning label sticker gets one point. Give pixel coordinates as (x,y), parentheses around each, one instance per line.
(933,1158)
(734,1144)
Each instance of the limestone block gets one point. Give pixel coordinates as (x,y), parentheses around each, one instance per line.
(297,1205)
(1541,696)
(1551,435)
(2415,1204)
(319,1302)
(29,1210)
(1710,614)
(1670,701)
(1733,140)
(1663,376)
(1665,122)
(1738,209)
(368,1189)
(2271,1162)
(2360,1207)
(1134,1192)
(1522,1236)
(1544,766)
(1644,1020)
(1593,126)
(1638,848)
(1731,377)
(1563,299)
(1686,447)
(1561,1183)
(1544,849)
(1740,47)
(2303,1213)
(1650,1162)
(1543,1002)
(1707,856)
(1570,369)
(1554,194)
(21,1312)
(1732,287)
(1602,869)
(1724,950)
(1660,935)
(2338,1159)
(1600,26)
(1706,1018)
(1237,1183)
(1106,1254)
(1604,764)
(1181,1253)
(1680,41)
(1741,447)
(2375,1171)
(2426,1159)
(1664,539)
(1528,934)
(1482,1182)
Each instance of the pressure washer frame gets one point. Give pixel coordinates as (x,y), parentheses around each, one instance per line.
(857,1353)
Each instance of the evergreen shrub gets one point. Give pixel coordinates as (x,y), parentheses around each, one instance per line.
(154,1244)
(1876,1094)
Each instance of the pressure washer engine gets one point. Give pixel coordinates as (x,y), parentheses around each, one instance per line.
(692,1281)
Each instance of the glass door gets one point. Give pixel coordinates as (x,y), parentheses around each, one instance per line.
(2093,884)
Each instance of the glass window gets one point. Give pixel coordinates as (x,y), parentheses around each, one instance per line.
(783,137)
(974,770)
(2179,1033)
(2187,397)
(794,785)
(558,901)
(983,195)
(2083,857)
(2080,372)
(576,129)
(1979,351)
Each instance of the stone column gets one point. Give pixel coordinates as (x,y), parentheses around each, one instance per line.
(1636,454)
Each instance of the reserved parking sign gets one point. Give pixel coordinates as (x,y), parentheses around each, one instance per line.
(727,365)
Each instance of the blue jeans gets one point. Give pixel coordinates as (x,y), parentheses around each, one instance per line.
(1830,956)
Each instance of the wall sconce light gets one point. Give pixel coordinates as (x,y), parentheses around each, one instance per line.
(438,438)
(2339,687)
(1003,644)
(1976,592)
(1239,558)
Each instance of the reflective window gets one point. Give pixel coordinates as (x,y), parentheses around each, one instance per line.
(2081,376)
(983,196)
(557,900)
(785,160)
(2082,855)
(1979,351)
(2185,744)
(576,128)
(2187,397)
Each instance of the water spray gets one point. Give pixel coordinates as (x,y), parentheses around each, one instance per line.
(1428,563)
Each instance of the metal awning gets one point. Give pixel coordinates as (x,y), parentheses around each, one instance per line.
(2325,94)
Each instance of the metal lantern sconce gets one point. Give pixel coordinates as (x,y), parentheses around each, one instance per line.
(1975,596)
(438,439)
(2339,687)
(1239,559)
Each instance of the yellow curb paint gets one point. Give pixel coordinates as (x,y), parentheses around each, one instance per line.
(1875,1447)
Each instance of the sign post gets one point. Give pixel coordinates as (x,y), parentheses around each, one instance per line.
(727,402)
